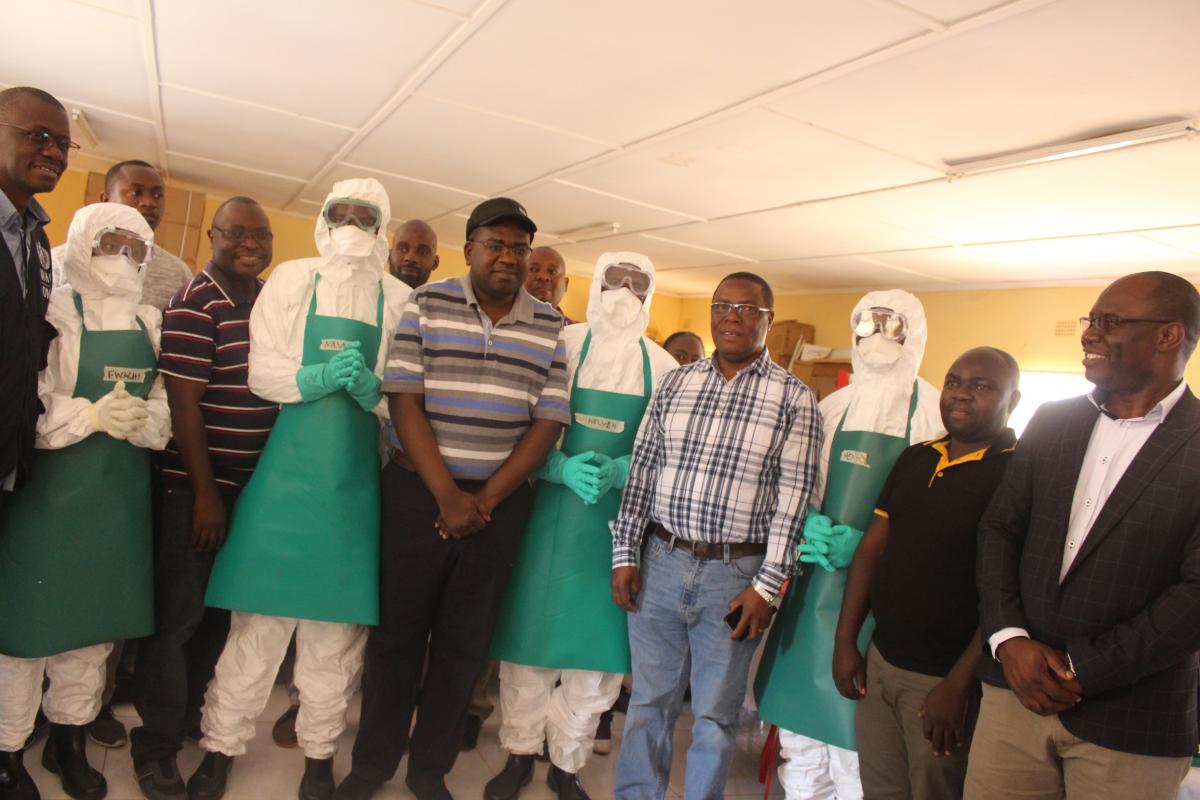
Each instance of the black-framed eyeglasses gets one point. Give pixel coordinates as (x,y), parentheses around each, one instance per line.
(236,235)
(496,248)
(745,311)
(1106,323)
(40,139)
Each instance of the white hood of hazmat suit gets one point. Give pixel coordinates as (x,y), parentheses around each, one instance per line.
(109,286)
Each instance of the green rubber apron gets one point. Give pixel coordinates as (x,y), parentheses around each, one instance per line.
(76,553)
(304,538)
(558,612)
(794,686)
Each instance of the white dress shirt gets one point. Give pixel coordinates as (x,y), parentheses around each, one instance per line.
(1111,449)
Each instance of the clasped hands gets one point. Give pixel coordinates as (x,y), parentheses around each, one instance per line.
(828,545)
(590,475)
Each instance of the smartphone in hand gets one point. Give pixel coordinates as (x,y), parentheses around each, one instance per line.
(732,619)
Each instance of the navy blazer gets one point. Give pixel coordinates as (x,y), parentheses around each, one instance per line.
(1128,610)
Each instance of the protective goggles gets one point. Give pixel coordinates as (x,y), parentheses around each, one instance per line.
(890,324)
(617,275)
(348,211)
(118,241)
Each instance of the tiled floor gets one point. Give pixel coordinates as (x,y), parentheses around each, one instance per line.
(267,772)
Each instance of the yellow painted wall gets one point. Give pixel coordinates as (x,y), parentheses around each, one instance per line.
(1021,321)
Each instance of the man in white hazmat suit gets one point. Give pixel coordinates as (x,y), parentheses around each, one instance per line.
(555,624)
(867,425)
(75,543)
(302,555)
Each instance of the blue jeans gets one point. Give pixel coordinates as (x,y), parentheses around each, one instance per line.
(677,633)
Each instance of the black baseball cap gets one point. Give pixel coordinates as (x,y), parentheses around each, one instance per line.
(496,209)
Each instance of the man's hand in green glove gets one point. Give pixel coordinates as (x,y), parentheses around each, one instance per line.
(833,550)
(814,549)
(360,381)
(575,473)
(316,381)
(613,473)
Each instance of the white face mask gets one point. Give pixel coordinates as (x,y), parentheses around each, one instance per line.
(351,242)
(118,273)
(621,306)
(879,353)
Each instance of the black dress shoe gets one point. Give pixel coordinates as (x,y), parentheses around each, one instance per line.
(602,745)
(15,782)
(565,784)
(471,733)
(160,780)
(317,783)
(517,772)
(208,781)
(356,787)
(65,755)
(428,786)
(106,730)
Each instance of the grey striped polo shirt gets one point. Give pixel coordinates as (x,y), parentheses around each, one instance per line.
(484,384)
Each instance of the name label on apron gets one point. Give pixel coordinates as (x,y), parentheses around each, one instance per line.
(334,344)
(857,457)
(127,374)
(600,423)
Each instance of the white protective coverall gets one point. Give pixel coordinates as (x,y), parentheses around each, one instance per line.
(329,655)
(876,400)
(77,676)
(533,709)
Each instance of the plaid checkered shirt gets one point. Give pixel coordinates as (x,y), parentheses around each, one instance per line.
(724,461)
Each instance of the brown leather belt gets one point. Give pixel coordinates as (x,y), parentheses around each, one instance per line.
(711,551)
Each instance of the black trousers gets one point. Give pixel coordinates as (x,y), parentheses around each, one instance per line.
(435,594)
(175,664)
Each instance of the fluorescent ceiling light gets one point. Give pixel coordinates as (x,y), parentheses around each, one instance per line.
(1085,147)
(590,231)
(83,129)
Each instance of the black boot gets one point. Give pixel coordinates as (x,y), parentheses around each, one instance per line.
(317,783)
(356,787)
(471,733)
(15,783)
(565,784)
(65,755)
(208,781)
(517,772)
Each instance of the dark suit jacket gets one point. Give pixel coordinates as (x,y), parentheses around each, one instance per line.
(1128,611)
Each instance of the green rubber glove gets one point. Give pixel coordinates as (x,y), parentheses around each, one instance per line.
(316,381)
(814,549)
(359,380)
(833,550)
(614,472)
(574,472)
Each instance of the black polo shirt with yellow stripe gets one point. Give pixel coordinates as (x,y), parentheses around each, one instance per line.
(923,593)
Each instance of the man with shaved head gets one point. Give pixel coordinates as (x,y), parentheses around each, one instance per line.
(35,142)
(414,253)
(547,279)
(138,185)
(1089,570)
(916,692)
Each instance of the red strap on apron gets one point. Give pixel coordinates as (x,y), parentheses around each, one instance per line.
(768,759)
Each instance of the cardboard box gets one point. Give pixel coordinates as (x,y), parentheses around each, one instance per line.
(823,376)
(179,230)
(783,338)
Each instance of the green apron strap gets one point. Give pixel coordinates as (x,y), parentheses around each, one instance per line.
(587,343)
(647,376)
(912,412)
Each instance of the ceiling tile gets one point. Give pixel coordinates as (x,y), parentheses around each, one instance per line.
(811,275)
(316,59)
(472,150)
(1049,261)
(1186,239)
(76,52)
(557,207)
(949,11)
(624,69)
(823,229)
(756,160)
(210,127)
(1061,72)
(409,199)
(667,256)
(267,190)
(119,137)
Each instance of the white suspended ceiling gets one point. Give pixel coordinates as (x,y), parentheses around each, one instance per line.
(806,140)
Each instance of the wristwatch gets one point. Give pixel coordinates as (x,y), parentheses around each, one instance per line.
(770,598)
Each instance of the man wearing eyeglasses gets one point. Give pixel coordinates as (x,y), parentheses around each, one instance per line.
(723,469)
(138,185)
(219,429)
(1089,570)
(476,380)
(867,425)
(35,143)
(302,553)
